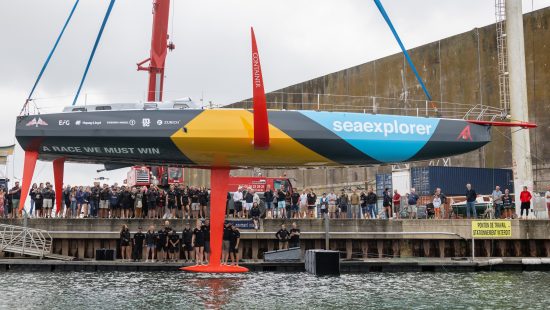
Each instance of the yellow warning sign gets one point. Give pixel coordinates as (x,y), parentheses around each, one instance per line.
(491,229)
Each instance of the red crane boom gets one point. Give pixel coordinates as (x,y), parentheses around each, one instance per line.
(159,48)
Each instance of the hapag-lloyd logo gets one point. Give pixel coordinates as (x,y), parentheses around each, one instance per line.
(257,71)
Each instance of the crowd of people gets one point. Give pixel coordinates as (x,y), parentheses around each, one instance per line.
(166,244)
(191,202)
(178,201)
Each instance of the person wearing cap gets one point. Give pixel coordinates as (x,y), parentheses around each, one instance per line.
(137,243)
(227,236)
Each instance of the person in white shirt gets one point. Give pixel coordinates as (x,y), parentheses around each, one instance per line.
(237,201)
(437,206)
(303,204)
(332,204)
(547,196)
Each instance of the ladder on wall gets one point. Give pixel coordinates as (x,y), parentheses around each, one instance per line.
(503,79)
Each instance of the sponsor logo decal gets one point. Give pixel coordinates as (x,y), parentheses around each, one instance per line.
(64,122)
(159,122)
(132,122)
(77,123)
(465,134)
(146,122)
(36,122)
(386,138)
(386,128)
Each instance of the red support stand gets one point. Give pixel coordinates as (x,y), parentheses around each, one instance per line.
(58,169)
(28,170)
(219,179)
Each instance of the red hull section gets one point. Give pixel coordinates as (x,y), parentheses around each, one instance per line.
(215,269)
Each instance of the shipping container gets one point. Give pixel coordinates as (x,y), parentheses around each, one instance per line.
(383,181)
(401,181)
(453,180)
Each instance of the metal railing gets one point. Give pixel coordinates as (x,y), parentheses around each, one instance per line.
(25,241)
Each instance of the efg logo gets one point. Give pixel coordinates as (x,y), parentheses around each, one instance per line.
(386,128)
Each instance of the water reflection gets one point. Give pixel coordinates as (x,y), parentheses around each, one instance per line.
(215,291)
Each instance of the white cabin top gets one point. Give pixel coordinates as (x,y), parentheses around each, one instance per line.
(180,104)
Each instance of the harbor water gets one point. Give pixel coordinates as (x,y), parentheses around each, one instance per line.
(268,290)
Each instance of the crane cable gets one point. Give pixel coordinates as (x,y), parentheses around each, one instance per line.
(49,57)
(107,14)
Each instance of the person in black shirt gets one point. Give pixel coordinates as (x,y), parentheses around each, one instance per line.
(227,235)
(174,245)
(206,229)
(268,196)
(38,200)
(125,242)
(295,208)
(171,201)
(282,236)
(255,215)
(198,243)
(311,201)
(185,203)
(152,196)
(294,241)
(234,246)
(178,188)
(195,205)
(187,239)
(125,202)
(151,241)
(203,201)
(137,243)
(162,244)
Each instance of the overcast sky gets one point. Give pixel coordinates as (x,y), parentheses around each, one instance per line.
(298,40)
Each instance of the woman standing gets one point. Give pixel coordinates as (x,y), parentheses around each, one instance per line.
(151,243)
(203,201)
(185,203)
(79,201)
(507,204)
(161,203)
(125,242)
(32,194)
(38,200)
(198,243)
(138,202)
(85,198)
(72,197)
(437,205)
(171,201)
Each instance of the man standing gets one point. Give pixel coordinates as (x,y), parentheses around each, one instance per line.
(386,203)
(294,208)
(282,236)
(371,204)
(205,227)
(237,202)
(396,199)
(443,201)
(412,199)
(497,201)
(332,204)
(471,196)
(268,196)
(15,194)
(104,197)
(94,199)
(354,201)
(547,196)
(312,200)
(525,198)
(294,241)
(49,198)
(137,245)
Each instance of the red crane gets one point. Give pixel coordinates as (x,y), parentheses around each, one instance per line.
(159,48)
